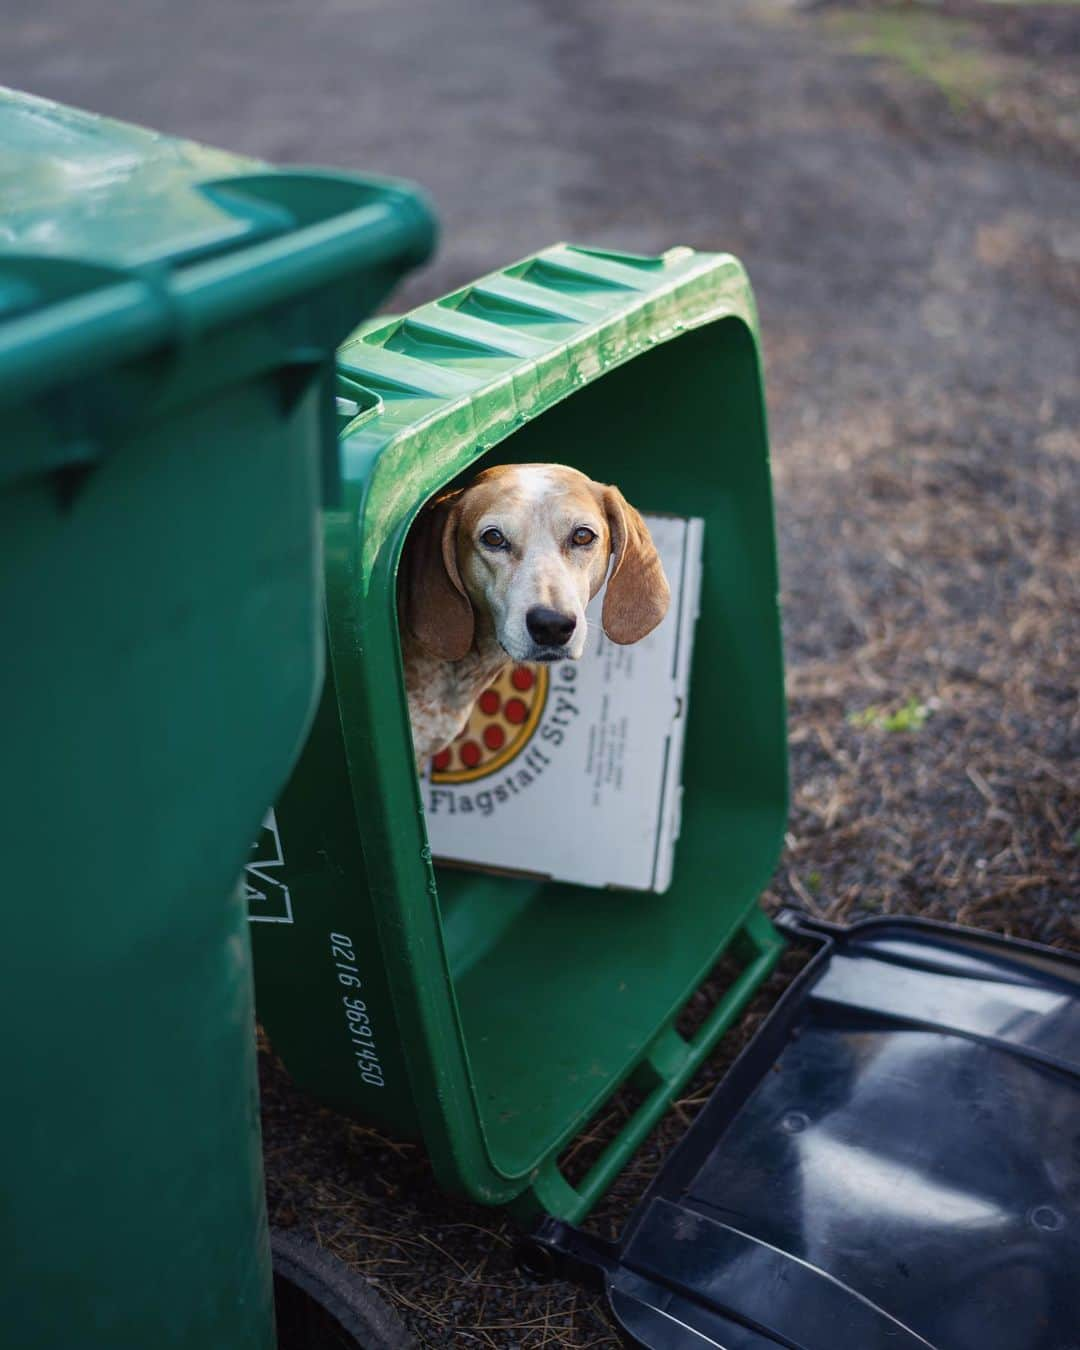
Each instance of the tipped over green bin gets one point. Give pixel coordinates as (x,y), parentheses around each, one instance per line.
(168,319)
(493,1016)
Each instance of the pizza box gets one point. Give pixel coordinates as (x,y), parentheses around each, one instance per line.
(572,771)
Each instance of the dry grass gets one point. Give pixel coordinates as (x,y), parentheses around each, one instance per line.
(954,579)
(446,1265)
(976,58)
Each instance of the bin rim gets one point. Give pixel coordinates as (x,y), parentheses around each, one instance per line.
(712,285)
(245,235)
(126,314)
(437,403)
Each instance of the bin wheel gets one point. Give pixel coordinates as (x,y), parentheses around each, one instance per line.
(322,1305)
(535,1258)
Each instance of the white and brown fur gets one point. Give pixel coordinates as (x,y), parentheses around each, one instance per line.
(467,607)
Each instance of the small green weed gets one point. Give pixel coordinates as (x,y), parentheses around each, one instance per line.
(934,48)
(911,717)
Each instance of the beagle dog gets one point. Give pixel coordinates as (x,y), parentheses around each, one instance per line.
(501,571)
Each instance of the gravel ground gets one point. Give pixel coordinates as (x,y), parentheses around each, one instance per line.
(902,183)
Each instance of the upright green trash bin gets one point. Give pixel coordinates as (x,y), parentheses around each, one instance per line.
(168,318)
(493,1016)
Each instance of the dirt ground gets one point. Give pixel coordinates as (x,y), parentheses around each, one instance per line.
(902,183)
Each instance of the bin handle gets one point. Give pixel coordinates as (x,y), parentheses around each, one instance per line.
(672,1060)
(123,320)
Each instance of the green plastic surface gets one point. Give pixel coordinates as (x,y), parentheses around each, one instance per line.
(168,320)
(500,1013)
(126,252)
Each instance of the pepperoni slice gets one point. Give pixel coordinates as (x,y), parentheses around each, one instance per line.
(495,730)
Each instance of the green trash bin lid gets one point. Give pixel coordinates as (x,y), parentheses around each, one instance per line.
(116,242)
(77,185)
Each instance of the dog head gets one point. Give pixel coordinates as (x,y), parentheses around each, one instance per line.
(515,558)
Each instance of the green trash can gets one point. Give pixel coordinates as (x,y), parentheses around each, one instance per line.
(493,1016)
(168,318)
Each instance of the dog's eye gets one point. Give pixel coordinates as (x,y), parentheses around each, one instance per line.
(493,538)
(582,536)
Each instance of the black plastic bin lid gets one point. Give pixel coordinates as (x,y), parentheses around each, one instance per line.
(893,1162)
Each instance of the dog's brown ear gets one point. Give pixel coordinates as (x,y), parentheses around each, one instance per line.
(433,601)
(637,595)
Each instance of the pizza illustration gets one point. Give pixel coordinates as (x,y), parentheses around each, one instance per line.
(499,728)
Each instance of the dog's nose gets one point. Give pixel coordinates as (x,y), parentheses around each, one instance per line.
(549,627)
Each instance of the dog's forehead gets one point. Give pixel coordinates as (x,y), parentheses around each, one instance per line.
(531,489)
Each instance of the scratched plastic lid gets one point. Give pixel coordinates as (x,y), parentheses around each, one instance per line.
(892,1164)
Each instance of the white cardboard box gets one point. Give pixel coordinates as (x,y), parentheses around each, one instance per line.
(573,770)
